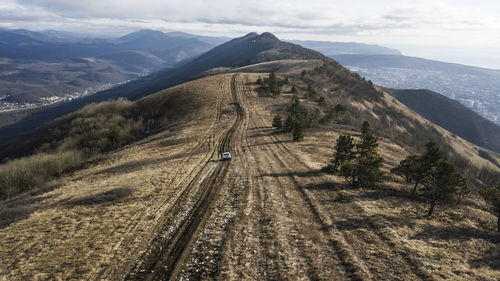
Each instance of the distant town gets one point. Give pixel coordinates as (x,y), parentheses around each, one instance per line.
(7,105)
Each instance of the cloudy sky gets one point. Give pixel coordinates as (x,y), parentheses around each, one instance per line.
(464,31)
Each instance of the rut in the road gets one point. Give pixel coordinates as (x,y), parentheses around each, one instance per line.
(165,258)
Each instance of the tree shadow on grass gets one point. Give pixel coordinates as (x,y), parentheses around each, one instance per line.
(460,233)
(373,222)
(372,193)
(100,198)
(271,142)
(267,128)
(490,258)
(267,134)
(23,205)
(131,166)
(291,174)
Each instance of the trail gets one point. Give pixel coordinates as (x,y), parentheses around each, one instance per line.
(165,258)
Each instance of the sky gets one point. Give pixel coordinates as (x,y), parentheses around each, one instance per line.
(461,31)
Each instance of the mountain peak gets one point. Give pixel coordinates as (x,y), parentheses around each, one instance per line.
(269,35)
(250,35)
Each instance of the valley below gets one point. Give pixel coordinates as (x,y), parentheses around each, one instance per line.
(166,207)
(28,84)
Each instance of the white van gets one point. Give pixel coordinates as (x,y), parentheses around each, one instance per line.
(226,156)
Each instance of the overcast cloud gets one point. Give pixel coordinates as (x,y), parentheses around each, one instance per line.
(460,25)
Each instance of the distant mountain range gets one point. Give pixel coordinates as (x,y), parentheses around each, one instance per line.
(50,65)
(452,116)
(473,86)
(346,48)
(42,66)
(27,44)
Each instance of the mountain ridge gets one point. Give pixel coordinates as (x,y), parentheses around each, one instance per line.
(329,48)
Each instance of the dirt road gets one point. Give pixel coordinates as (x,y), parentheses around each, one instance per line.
(164,258)
(275,232)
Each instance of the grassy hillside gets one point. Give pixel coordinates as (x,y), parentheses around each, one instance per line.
(270,211)
(107,126)
(90,132)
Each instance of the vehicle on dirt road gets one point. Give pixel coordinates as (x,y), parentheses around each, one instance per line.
(226,156)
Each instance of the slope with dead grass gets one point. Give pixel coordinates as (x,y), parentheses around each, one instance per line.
(94,223)
(294,224)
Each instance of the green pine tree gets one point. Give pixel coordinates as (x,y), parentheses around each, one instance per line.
(364,167)
(368,162)
(407,168)
(441,185)
(426,164)
(344,151)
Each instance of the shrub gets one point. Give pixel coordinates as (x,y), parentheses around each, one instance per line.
(23,174)
(74,138)
(340,197)
(321,101)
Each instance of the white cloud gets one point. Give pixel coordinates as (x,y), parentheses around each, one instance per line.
(314,17)
(422,22)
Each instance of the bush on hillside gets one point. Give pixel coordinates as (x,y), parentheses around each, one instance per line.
(23,174)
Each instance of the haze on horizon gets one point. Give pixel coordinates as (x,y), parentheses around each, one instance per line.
(458,31)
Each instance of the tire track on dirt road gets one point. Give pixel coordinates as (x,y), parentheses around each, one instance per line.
(166,257)
(272,239)
(179,175)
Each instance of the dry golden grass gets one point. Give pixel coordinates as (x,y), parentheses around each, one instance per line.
(380,234)
(95,224)
(289,222)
